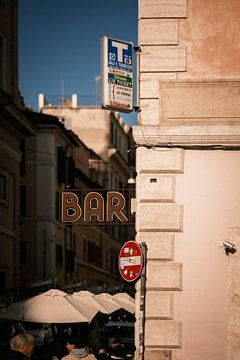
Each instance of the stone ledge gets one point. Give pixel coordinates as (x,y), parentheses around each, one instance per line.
(199,102)
(160,161)
(163,58)
(164,276)
(163,334)
(156,188)
(160,245)
(156,354)
(158,32)
(159,217)
(159,305)
(149,111)
(149,83)
(162,9)
(187,135)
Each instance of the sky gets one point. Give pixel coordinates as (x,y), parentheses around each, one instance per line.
(59,46)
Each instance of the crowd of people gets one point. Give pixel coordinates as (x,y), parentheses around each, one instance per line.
(22,348)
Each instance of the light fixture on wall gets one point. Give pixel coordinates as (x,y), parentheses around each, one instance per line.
(132,177)
(229,247)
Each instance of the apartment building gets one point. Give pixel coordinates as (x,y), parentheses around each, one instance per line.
(71,254)
(39,158)
(101,130)
(14,128)
(109,137)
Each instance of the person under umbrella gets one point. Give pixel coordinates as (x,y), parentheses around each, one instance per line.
(21,347)
(102,354)
(117,350)
(76,351)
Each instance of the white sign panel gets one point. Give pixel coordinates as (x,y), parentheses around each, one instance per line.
(117,75)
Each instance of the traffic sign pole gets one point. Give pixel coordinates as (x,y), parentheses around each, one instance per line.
(142,302)
(132,263)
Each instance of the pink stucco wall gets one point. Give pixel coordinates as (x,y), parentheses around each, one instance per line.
(210,192)
(211,33)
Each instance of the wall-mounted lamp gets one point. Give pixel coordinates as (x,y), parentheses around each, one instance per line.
(229,247)
(132,177)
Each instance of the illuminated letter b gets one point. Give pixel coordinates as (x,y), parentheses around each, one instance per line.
(71,211)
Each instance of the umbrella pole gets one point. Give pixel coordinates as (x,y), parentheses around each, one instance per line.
(98,330)
(56,340)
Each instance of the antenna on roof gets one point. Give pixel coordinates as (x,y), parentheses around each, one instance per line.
(62,84)
(97,78)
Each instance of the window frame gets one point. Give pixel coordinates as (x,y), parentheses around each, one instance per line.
(3,62)
(3,187)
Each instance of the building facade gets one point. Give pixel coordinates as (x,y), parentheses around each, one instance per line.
(9,49)
(102,131)
(188,197)
(70,254)
(14,128)
(105,133)
(40,157)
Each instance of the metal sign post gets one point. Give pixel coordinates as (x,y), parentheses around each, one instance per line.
(132,263)
(142,303)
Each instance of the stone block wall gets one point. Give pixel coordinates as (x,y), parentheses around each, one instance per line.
(159,218)
(188,94)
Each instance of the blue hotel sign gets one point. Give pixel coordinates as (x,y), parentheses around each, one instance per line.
(117,74)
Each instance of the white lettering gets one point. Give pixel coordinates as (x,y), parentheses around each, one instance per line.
(120,48)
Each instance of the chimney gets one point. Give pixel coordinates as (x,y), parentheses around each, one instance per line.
(74,101)
(40,102)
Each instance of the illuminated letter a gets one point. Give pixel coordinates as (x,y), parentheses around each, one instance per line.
(90,210)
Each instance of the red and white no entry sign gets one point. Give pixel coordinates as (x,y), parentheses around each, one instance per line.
(130,261)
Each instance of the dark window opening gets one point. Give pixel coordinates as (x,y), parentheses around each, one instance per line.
(70,172)
(61,165)
(23,158)
(70,260)
(111,264)
(111,133)
(1,63)
(59,255)
(3,187)
(107,260)
(3,282)
(94,255)
(23,252)
(114,264)
(84,249)
(23,201)
(57,208)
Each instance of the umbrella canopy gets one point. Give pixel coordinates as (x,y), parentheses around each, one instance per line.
(52,306)
(106,300)
(89,298)
(125,301)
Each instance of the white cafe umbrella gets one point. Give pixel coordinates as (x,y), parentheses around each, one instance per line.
(89,298)
(52,306)
(107,300)
(126,301)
